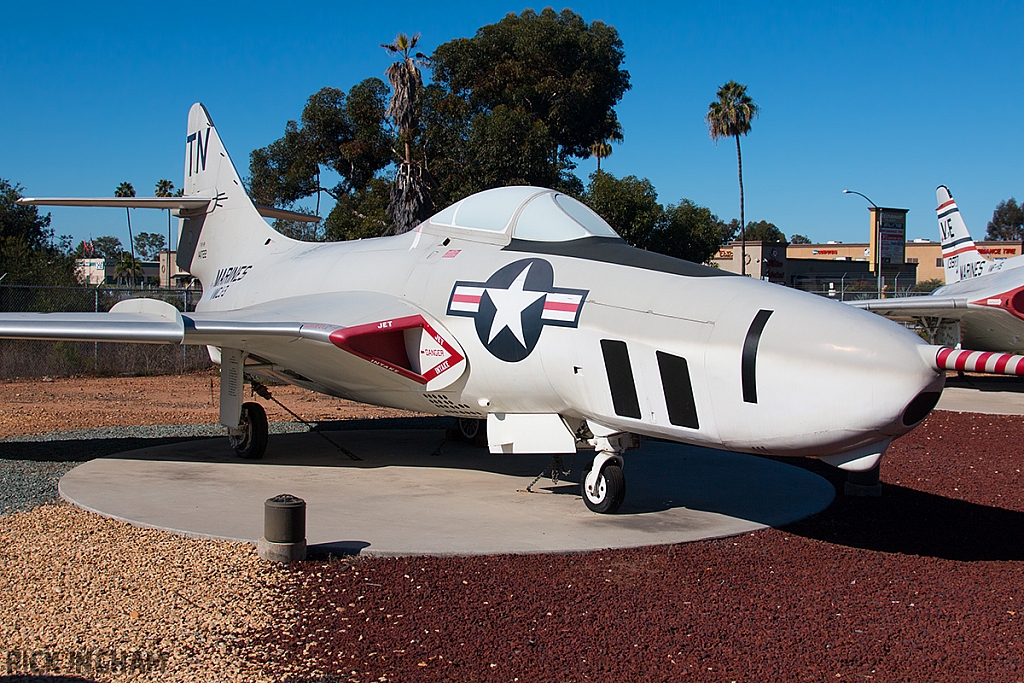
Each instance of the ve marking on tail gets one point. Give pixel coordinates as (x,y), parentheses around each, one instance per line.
(960,256)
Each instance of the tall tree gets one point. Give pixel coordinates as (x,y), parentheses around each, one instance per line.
(731,116)
(601,150)
(410,190)
(1007,221)
(799,239)
(21,222)
(125,189)
(149,245)
(630,205)
(763,231)
(687,231)
(28,252)
(519,100)
(344,133)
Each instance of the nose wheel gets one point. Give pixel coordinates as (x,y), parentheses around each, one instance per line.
(603,486)
(251,444)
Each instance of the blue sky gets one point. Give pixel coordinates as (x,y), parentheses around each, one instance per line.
(890,99)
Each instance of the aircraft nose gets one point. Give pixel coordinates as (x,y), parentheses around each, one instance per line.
(820,377)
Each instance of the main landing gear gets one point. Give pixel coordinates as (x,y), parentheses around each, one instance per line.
(254,430)
(246,422)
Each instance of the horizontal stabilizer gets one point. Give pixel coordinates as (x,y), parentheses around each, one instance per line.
(166,203)
(172,203)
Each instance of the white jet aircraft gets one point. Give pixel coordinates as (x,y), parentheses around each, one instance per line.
(982,302)
(521,307)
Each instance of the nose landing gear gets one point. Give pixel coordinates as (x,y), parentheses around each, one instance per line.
(603,486)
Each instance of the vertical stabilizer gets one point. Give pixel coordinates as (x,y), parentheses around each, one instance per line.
(231,226)
(960,256)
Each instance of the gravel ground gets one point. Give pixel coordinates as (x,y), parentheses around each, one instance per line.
(922,584)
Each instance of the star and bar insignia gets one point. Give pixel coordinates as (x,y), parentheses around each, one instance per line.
(512,307)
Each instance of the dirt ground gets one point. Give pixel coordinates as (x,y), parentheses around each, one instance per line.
(37,406)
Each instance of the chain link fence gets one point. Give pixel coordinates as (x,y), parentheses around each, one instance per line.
(24,358)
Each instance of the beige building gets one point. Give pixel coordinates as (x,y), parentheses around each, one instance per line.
(925,253)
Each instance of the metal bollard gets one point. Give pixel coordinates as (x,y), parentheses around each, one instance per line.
(284,529)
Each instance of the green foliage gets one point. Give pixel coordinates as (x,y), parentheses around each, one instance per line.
(1007,222)
(630,205)
(763,231)
(22,222)
(164,188)
(125,189)
(29,253)
(106,247)
(799,239)
(732,113)
(516,102)
(148,245)
(687,231)
(361,214)
(552,66)
(928,285)
(344,133)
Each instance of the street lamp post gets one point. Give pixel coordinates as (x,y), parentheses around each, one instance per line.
(878,236)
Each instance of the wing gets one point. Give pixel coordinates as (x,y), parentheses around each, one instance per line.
(385,340)
(949,307)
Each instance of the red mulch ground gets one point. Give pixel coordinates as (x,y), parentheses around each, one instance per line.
(922,584)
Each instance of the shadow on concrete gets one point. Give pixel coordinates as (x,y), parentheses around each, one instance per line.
(332,549)
(904,520)
(994,383)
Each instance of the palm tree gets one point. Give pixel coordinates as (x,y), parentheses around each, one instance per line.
(601,150)
(731,116)
(410,192)
(165,188)
(127,268)
(125,189)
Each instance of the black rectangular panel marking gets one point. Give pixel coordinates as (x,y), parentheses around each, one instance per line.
(748,363)
(620,378)
(675,380)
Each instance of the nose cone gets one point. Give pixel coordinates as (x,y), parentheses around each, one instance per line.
(831,378)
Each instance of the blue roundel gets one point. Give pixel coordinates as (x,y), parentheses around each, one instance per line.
(512,307)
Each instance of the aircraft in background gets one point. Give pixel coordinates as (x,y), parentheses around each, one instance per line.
(982,303)
(520,307)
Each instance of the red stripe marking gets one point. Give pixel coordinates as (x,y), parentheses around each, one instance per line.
(559,306)
(961,360)
(959,251)
(940,359)
(1017,367)
(1001,363)
(466,299)
(979,365)
(942,206)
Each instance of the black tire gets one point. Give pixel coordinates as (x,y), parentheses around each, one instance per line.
(611,490)
(253,422)
(472,430)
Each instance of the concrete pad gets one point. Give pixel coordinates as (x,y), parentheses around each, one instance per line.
(409,495)
(992,395)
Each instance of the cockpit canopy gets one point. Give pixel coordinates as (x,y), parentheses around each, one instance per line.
(521,212)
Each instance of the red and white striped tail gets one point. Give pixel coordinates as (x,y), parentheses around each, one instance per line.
(980,361)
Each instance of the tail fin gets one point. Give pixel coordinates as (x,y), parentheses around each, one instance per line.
(960,256)
(231,226)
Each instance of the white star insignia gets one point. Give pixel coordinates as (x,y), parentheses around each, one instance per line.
(509,305)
